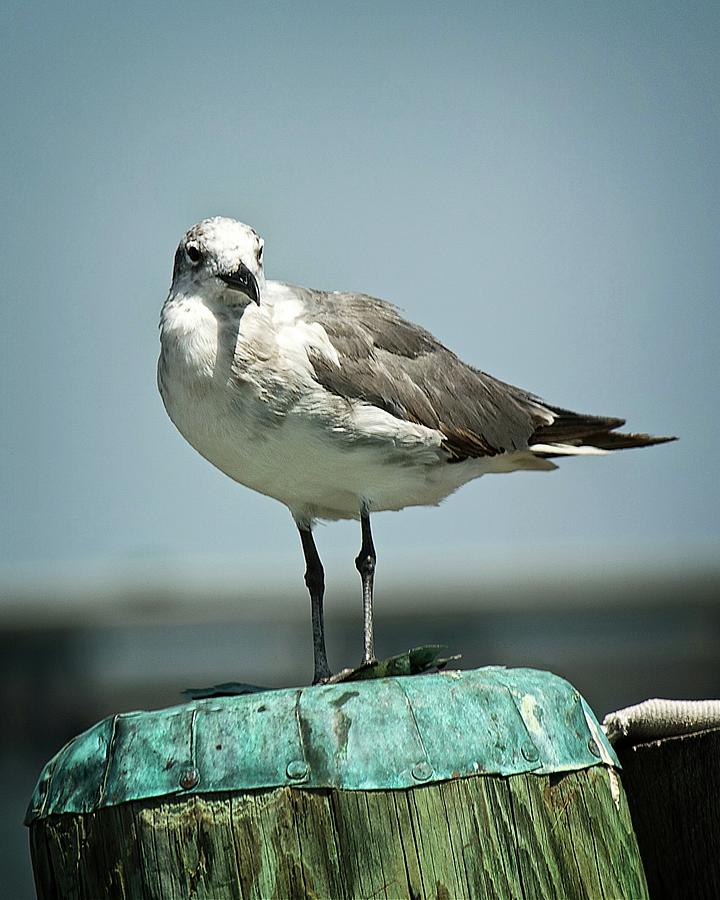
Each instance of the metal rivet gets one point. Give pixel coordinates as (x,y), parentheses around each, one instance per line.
(297,769)
(530,752)
(421,771)
(189,779)
(593,747)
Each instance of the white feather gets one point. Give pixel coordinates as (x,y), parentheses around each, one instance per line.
(569,450)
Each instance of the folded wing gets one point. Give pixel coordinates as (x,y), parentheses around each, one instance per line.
(401,368)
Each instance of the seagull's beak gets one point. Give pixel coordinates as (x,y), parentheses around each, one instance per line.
(243,280)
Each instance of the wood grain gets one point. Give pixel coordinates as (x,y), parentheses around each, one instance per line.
(525,836)
(673,788)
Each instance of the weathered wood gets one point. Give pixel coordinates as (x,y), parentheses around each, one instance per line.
(673,789)
(531,836)
(487,783)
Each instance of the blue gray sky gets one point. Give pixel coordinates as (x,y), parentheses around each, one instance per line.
(538,184)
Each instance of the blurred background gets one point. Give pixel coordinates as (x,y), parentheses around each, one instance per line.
(538,184)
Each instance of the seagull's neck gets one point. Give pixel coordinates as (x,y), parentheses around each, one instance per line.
(188,337)
(196,330)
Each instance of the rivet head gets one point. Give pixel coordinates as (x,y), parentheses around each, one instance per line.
(593,748)
(530,752)
(421,771)
(189,779)
(297,769)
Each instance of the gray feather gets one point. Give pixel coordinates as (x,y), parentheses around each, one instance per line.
(401,368)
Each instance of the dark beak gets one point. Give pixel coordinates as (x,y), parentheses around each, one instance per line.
(243,280)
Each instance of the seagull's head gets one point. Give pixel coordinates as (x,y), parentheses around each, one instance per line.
(221,260)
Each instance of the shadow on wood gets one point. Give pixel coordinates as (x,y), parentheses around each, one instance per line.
(673,789)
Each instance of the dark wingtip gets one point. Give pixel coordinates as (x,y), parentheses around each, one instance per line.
(593,431)
(617,440)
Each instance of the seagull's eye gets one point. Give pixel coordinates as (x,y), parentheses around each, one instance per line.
(193,254)
(259,253)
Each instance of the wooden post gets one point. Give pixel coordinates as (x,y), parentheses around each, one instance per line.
(673,788)
(493,783)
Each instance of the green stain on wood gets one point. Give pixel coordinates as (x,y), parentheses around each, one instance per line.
(524,836)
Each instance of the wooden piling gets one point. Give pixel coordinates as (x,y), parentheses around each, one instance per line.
(493,783)
(673,788)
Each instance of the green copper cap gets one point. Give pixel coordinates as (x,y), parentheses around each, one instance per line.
(390,733)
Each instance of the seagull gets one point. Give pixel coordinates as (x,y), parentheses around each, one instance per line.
(336,405)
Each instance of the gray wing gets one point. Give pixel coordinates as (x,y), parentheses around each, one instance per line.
(401,368)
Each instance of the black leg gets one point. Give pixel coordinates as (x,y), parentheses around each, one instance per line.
(315,581)
(365,563)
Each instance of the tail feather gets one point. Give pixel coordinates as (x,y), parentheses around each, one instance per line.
(576,432)
(619,440)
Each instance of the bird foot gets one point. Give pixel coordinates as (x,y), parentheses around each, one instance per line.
(342,675)
(351,674)
(412,662)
